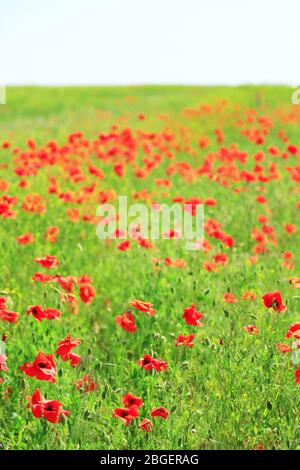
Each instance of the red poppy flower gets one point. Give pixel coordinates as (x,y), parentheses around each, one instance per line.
(143,306)
(5,314)
(229,298)
(146,425)
(65,345)
(127,322)
(85,279)
(25,239)
(41,277)
(261,199)
(87,384)
(123,246)
(145,243)
(51,234)
(9,316)
(2,303)
(52,313)
(295,282)
(210,266)
(42,368)
(87,292)
(36,311)
(274,300)
(210,202)
(251,329)
(185,340)
(131,400)
(292,149)
(290,228)
(192,316)
(23,184)
(64,350)
(126,414)
(283,348)
(221,258)
(66,282)
(293,331)
(51,410)
(119,169)
(249,296)
(178,263)
(69,298)
(161,412)
(47,261)
(72,302)
(288,265)
(75,359)
(149,363)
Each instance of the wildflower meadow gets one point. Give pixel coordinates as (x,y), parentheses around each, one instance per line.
(127,341)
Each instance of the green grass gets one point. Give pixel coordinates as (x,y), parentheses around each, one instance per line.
(231,390)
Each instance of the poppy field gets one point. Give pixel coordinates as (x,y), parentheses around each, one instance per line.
(137,343)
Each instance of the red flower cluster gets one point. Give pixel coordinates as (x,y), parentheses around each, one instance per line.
(40,313)
(127,320)
(150,363)
(87,292)
(132,405)
(185,340)
(87,384)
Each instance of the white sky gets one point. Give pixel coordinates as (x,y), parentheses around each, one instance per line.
(149,41)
